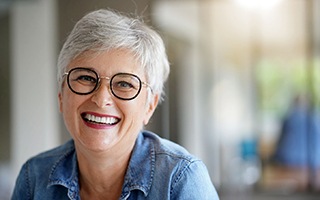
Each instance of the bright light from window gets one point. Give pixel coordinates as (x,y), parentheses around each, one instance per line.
(258,4)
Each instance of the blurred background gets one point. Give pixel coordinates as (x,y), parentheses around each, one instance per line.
(243,93)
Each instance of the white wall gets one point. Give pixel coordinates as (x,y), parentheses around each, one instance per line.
(34,119)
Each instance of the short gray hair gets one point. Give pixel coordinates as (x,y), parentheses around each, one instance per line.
(103,30)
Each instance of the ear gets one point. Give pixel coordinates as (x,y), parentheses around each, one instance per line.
(60,102)
(151,108)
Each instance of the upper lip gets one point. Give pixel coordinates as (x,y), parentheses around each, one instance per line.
(100,118)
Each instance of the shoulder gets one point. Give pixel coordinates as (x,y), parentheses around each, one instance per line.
(177,173)
(42,165)
(54,154)
(164,147)
(171,158)
(35,173)
(48,164)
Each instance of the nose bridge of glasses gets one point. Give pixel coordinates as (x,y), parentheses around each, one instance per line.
(101,78)
(100,82)
(105,77)
(102,89)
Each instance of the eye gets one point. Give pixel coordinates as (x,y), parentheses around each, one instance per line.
(123,85)
(85,79)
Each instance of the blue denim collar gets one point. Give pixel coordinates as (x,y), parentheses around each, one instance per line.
(141,167)
(65,171)
(139,175)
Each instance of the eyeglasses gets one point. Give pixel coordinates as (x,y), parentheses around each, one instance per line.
(124,86)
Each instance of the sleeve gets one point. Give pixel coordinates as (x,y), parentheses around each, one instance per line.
(22,186)
(193,183)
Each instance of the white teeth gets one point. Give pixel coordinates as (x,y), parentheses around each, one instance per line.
(101,120)
(104,120)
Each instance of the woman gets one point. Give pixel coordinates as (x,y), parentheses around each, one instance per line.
(111,72)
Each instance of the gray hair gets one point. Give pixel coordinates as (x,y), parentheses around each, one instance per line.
(103,30)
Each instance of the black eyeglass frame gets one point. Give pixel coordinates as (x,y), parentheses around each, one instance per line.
(98,83)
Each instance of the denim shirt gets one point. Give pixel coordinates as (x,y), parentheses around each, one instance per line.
(158,170)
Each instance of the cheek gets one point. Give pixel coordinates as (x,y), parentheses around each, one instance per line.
(135,111)
(69,110)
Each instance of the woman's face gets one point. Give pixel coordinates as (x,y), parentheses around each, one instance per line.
(121,120)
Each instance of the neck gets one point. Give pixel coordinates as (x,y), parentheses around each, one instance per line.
(102,174)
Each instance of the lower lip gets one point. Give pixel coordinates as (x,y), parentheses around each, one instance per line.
(98,126)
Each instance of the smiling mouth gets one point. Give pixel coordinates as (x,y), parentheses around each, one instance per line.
(100,119)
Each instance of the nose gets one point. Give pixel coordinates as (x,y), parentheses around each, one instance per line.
(102,97)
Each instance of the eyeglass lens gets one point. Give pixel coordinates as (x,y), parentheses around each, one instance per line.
(123,85)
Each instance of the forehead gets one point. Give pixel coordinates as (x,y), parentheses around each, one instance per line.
(108,62)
